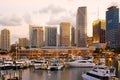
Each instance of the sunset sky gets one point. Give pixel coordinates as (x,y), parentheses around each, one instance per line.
(16,15)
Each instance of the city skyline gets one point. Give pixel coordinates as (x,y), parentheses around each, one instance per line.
(17,16)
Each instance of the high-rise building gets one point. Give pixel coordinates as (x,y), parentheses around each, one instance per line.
(65,34)
(119,31)
(81,27)
(36,36)
(99,28)
(0,41)
(73,36)
(58,39)
(24,42)
(112,27)
(50,36)
(5,39)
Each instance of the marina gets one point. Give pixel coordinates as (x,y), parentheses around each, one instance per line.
(56,64)
(60,40)
(56,69)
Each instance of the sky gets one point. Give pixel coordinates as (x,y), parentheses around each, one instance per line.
(16,15)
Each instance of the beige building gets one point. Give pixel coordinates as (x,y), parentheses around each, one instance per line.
(65,34)
(23,42)
(36,36)
(89,41)
(5,39)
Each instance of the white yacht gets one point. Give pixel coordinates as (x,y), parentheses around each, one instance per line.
(81,63)
(100,73)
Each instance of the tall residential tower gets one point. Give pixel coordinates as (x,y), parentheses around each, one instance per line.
(36,36)
(5,39)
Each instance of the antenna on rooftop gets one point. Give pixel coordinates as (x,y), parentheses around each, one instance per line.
(98,10)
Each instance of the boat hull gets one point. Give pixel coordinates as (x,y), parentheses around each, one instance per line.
(86,65)
(86,77)
(55,67)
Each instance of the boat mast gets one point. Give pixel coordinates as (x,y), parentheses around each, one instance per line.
(57,45)
(97,9)
(16,47)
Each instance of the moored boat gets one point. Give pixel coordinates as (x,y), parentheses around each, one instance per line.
(55,65)
(19,64)
(81,63)
(100,73)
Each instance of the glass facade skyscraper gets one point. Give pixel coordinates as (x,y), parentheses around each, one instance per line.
(112,26)
(81,27)
(50,36)
(99,28)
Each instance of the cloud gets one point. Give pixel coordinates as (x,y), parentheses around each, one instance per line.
(10,20)
(67,17)
(27,18)
(49,14)
(52,9)
(15,20)
(54,22)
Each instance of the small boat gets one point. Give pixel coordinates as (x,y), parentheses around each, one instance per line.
(19,64)
(8,64)
(81,63)
(100,73)
(55,65)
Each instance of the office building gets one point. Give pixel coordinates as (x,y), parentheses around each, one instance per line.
(50,36)
(24,43)
(99,28)
(73,36)
(81,27)
(65,34)
(112,27)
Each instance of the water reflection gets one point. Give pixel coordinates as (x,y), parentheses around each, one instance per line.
(66,74)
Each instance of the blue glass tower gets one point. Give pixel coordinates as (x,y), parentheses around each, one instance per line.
(112,27)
